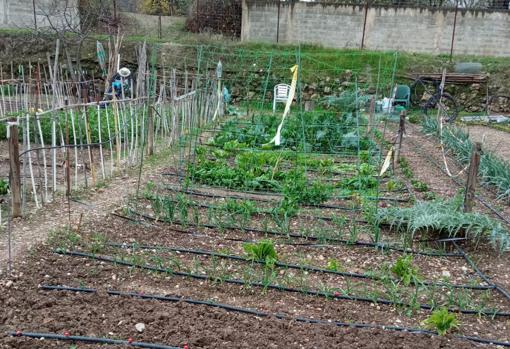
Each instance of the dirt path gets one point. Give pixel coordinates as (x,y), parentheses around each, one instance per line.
(494,140)
(93,205)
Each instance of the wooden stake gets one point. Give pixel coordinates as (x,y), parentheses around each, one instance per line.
(150,129)
(15,171)
(472,179)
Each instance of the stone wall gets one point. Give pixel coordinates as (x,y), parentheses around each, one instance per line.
(19,14)
(386,28)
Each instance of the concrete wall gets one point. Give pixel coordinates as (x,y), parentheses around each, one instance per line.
(19,14)
(387,28)
(128,5)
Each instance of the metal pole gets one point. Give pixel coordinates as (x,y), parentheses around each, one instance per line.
(35,15)
(278,23)
(364,26)
(454,28)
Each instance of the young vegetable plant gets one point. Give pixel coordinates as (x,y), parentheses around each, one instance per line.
(334,265)
(261,251)
(404,269)
(442,321)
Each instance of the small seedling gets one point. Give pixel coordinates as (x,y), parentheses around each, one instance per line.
(442,321)
(419,185)
(262,251)
(404,269)
(333,265)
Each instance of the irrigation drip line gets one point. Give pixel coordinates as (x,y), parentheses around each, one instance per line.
(265,286)
(190,232)
(60,337)
(233,196)
(484,277)
(456,181)
(262,211)
(381,246)
(249,311)
(287,265)
(340,197)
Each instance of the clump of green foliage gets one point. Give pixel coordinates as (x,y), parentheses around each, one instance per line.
(493,170)
(363,180)
(4,187)
(244,208)
(419,185)
(334,265)
(442,321)
(445,217)
(406,271)
(261,251)
(326,131)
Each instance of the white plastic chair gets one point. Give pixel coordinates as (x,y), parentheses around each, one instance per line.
(281,94)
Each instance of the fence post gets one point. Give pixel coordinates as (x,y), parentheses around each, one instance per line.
(14,172)
(472,177)
(454,28)
(400,136)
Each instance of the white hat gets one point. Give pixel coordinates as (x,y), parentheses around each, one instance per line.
(124,72)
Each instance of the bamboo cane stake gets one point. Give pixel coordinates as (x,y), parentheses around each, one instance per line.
(100,141)
(88,137)
(73,128)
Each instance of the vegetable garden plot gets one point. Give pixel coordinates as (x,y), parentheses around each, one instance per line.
(291,232)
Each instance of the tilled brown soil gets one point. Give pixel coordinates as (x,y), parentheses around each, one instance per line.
(30,309)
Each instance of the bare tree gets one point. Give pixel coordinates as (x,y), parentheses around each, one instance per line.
(73,22)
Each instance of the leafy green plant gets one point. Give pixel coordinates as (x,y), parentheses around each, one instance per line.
(392,185)
(405,271)
(4,187)
(98,243)
(261,251)
(419,185)
(442,321)
(445,217)
(364,179)
(334,265)
(493,170)
(405,168)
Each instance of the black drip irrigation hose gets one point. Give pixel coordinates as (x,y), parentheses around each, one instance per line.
(248,311)
(484,277)
(335,295)
(233,196)
(324,218)
(279,194)
(456,181)
(381,246)
(60,337)
(287,265)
